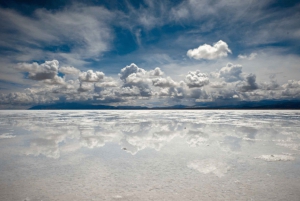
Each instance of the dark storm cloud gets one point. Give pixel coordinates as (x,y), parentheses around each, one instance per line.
(249,84)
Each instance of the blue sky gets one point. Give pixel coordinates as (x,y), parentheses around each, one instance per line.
(148,52)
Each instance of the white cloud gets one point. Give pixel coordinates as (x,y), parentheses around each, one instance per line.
(27,98)
(133,76)
(69,70)
(91,76)
(156,72)
(292,84)
(131,69)
(164,82)
(85,27)
(218,50)
(196,79)
(250,57)
(136,84)
(56,80)
(85,86)
(47,70)
(291,89)
(127,91)
(221,84)
(107,84)
(272,85)
(231,73)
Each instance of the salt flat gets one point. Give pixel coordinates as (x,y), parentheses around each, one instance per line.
(150,155)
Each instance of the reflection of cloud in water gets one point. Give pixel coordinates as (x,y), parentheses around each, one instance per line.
(6,136)
(196,138)
(289,145)
(209,166)
(105,155)
(154,137)
(44,147)
(231,143)
(63,131)
(249,131)
(272,158)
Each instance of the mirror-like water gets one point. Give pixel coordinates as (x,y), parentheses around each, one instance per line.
(150,155)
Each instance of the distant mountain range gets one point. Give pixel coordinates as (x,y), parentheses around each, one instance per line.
(264,104)
(81,106)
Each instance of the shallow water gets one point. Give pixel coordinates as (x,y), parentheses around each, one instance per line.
(150,155)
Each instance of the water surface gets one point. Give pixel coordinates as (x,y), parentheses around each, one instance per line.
(150,155)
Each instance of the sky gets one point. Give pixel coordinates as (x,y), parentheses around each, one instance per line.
(148,53)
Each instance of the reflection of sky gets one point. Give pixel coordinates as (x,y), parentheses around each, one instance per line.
(144,155)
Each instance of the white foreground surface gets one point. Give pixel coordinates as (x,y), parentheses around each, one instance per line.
(150,155)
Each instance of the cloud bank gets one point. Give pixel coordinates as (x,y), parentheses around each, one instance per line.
(55,83)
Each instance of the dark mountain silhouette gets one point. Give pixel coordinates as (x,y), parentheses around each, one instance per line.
(264,104)
(81,106)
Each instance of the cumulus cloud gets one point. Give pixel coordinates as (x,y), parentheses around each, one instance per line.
(231,72)
(221,84)
(84,87)
(56,80)
(136,84)
(69,70)
(164,82)
(138,78)
(156,72)
(107,84)
(27,98)
(218,50)
(248,57)
(131,69)
(292,84)
(143,84)
(272,85)
(127,91)
(291,89)
(47,70)
(196,79)
(91,76)
(249,84)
